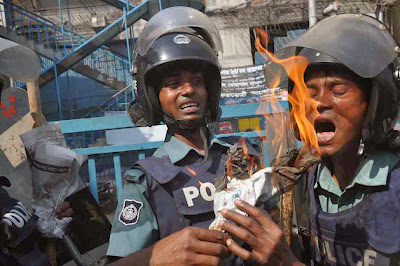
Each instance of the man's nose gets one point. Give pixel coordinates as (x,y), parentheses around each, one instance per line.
(324,100)
(187,89)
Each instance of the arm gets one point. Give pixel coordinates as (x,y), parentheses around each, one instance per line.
(135,226)
(261,233)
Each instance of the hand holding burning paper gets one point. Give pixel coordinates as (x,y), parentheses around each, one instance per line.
(239,182)
(54,176)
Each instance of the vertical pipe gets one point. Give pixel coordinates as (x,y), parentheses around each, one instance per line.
(312,13)
(160,4)
(93,178)
(380,11)
(69,24)
(118,175)
(47,35)
(127,38)
(58,93)
(83,140)
(62,23)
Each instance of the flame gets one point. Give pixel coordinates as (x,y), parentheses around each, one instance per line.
(254,165)
(302,103)
(191,171)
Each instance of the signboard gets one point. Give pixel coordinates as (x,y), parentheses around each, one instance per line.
(246,85)
(225,127)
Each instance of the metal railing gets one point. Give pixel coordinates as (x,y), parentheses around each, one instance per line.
(52,36)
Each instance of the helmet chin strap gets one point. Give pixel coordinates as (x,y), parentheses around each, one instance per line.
(178,125)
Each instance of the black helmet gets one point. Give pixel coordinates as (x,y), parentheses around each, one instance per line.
(364,46)
(187,44)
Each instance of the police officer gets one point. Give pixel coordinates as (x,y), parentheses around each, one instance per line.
(167,201)
(354,192)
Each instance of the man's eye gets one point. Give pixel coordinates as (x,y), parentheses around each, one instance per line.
(313,93)
(172,84)
(197,81)
(339,92)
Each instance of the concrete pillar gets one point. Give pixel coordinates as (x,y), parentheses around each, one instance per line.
(237,47)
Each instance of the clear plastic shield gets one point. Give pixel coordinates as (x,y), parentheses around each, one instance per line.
(172,19)
(18,62)
(360,42)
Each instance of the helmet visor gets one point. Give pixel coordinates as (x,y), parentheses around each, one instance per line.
(359,42)
(172,19)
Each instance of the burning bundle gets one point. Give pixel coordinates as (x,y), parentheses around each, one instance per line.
(239,182)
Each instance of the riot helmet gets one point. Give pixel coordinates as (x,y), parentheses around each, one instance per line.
(364,46)
(175,36)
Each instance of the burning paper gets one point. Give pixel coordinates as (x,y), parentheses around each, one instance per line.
(239,182)
(54,176)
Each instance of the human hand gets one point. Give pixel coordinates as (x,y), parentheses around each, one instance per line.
(190,246)
(64,210)
(260,232)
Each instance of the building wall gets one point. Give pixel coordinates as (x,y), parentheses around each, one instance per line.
(395,21)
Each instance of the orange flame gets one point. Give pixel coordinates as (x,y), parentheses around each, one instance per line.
(302,103)
(191,171)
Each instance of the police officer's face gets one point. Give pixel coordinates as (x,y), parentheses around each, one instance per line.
(342,105)
(183,95)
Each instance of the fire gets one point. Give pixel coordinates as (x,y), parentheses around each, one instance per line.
(193,172)
(302,103)
(233,161)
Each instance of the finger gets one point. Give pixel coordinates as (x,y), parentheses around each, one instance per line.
(238,250)
(262,218)
(239,232)
(212,235)
(63,207)
(245,221)
(208,248)
(67,213)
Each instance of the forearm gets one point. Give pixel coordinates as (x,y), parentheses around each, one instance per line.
(139,258)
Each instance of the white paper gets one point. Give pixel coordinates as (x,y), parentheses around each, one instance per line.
(248,190)
(54,176)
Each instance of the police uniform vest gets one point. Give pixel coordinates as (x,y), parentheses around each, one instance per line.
(181,195)
(366,234)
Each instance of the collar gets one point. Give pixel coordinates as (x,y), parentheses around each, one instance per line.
(177,150)
(373,171)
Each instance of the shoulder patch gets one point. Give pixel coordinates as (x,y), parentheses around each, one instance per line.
(130,212)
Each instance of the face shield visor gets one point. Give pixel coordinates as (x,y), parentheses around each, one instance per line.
(361,43)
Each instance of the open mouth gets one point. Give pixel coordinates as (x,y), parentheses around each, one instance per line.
(190,107)
(325,131)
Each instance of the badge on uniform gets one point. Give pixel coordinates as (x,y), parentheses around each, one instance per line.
(130,212)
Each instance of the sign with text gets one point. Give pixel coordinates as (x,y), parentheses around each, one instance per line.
(246,85)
